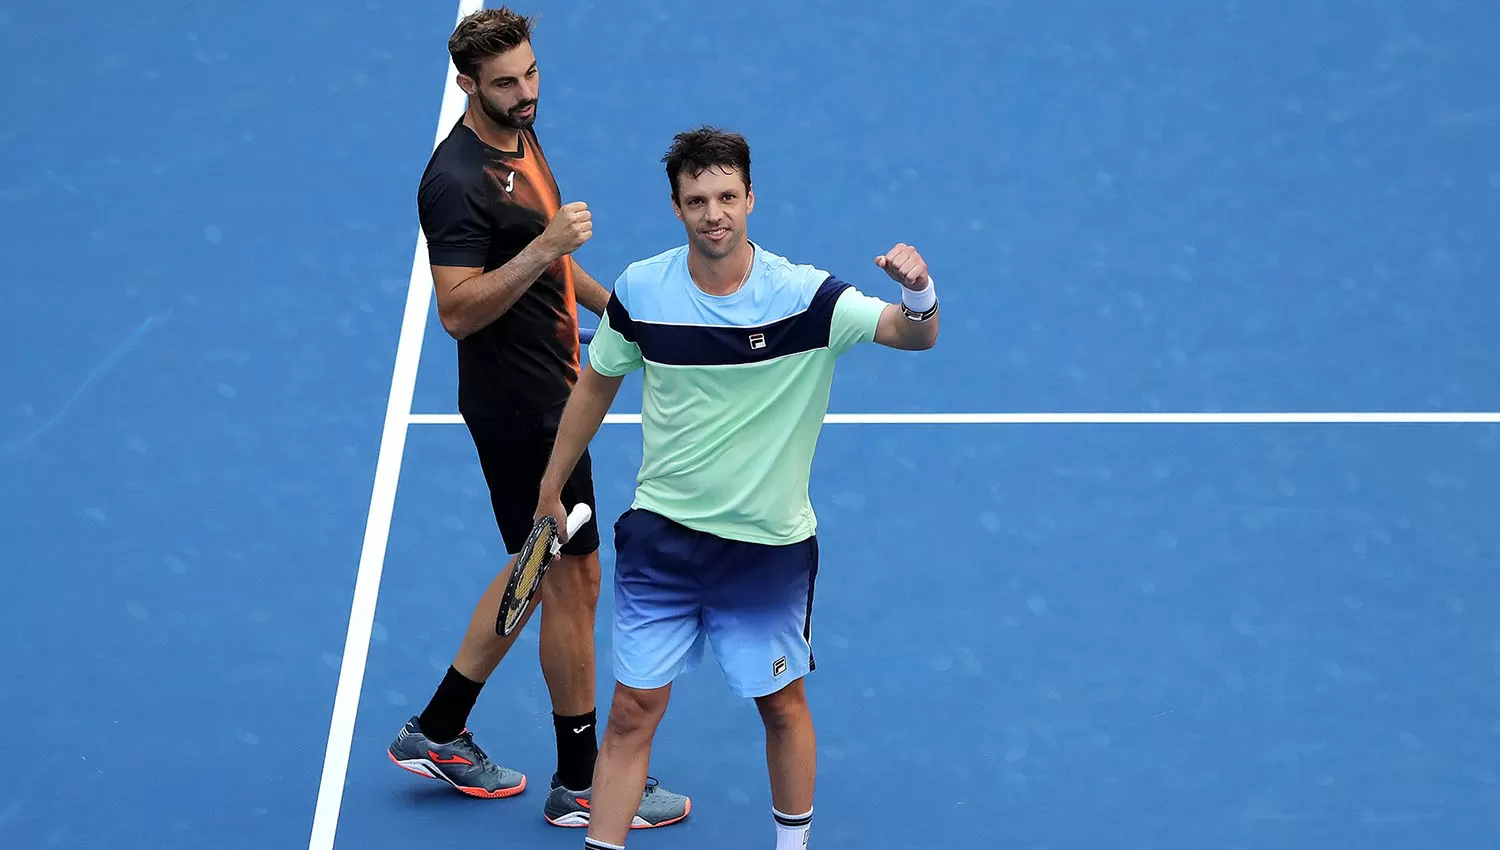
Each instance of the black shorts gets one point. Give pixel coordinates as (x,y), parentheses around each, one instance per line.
(513,452)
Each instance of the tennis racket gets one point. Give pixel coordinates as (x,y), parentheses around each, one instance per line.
(542,546)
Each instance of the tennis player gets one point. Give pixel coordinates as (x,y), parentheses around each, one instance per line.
(500,243)
(737,347)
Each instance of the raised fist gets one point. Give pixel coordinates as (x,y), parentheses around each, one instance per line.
(905,266)
(569,229)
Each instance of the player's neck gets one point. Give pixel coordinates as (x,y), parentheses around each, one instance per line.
(722,277)
(501,138)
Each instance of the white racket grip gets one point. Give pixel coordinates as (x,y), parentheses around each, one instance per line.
(577,518)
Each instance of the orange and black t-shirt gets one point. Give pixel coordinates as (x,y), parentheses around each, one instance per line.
(479,207)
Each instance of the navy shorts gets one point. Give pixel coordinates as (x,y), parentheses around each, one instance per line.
(677,589)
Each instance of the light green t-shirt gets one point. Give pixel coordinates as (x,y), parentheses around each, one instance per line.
(734,388)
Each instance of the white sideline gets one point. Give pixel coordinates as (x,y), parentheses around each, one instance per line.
(1293,418)
(382,502)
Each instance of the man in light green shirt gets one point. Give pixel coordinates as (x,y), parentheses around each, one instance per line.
(737,347)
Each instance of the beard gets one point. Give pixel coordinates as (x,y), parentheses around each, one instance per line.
(509,118)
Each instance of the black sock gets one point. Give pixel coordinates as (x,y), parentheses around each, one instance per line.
(577,747)
(448,713)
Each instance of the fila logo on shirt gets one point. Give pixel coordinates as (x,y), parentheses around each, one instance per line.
(757,341)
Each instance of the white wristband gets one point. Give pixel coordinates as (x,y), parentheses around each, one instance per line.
(920,300)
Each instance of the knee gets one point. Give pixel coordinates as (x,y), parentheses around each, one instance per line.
(572,583)
(635,713)
(785,709)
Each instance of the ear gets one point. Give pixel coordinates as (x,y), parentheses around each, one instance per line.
(749,201)
(467,83)
(676,210)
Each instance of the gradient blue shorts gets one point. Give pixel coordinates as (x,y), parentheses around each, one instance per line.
(676,588)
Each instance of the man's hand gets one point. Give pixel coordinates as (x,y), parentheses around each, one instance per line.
(905,266)
(568,230)
(551,505)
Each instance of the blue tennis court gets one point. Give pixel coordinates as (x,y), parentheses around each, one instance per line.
(1090,615)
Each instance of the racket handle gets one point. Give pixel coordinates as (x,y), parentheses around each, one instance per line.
(578,517)
(585,335)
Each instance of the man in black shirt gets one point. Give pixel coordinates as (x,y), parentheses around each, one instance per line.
(500,242)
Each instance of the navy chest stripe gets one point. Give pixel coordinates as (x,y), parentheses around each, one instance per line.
(694,345)
(619,319)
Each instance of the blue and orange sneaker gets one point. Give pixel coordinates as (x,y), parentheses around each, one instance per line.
(659,807)
(460,763)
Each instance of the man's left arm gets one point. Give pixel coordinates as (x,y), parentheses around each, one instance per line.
(588,291)
(913,324)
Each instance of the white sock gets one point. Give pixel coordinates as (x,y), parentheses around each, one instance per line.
(792,830)
(596,844)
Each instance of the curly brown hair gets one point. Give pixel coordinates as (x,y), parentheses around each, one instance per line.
(695,151)
(486,33)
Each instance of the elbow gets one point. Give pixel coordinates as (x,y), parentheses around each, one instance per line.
(454,324)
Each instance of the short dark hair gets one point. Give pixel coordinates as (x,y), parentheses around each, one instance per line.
(487,33)
(702,148)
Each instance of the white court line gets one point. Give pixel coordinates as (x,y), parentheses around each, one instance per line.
(382,502)
(1294,418)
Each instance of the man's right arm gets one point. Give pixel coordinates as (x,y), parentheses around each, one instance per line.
(456,223)
(469,298)
(581,418)
(612,355)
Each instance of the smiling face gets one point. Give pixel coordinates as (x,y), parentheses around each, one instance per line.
(709,171)
(713,206)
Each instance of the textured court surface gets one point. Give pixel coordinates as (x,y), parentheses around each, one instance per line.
(1144,637)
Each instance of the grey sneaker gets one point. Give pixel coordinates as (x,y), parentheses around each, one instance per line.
(460,763)
(659,807)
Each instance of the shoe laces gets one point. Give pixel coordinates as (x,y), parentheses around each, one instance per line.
(651,785)
(468,739)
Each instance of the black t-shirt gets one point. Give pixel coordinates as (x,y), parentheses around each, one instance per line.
(479,207)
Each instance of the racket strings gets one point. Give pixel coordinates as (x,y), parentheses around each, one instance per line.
(528,572)
(531,566)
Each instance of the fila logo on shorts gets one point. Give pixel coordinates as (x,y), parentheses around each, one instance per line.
(779,666)
(757,341)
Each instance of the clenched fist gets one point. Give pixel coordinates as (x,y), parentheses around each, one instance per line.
(905,266)
(569,229)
